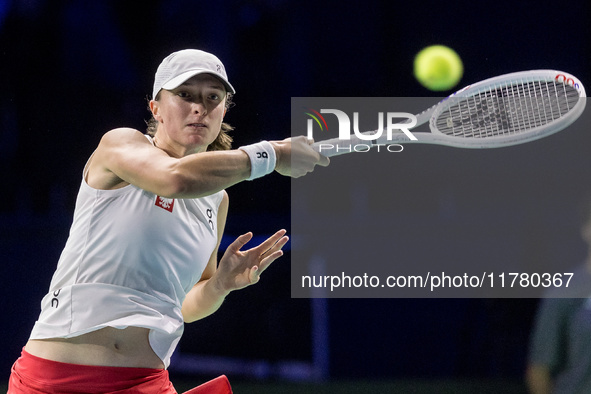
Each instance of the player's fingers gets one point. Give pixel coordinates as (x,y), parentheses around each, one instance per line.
(270,242)
(267,261)
(239,242)
(277,245)
(274,249)
(254,275)
(323,160)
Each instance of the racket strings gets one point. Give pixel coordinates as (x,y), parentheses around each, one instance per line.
(509,109)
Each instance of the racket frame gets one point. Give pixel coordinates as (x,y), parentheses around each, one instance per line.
(338,146)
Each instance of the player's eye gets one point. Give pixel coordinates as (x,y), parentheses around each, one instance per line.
(214,96)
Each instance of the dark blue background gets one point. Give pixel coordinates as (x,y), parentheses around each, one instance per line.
(72,70)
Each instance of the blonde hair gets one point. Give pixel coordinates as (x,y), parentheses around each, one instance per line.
(222,142)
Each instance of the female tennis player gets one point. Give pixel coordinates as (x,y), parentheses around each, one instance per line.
(141,258)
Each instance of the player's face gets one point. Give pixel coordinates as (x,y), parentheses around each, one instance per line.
(190,116)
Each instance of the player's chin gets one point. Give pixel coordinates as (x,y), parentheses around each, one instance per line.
(199,141)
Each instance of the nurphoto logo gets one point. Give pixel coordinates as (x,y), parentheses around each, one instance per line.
(388,124)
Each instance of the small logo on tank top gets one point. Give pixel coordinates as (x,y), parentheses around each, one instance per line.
(165,203)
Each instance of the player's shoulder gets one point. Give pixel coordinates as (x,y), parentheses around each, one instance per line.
(123,134)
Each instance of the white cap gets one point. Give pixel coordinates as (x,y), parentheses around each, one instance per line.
(179,66)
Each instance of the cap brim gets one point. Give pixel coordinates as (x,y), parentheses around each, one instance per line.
(180,79)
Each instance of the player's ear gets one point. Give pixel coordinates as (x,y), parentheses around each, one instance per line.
(155,108)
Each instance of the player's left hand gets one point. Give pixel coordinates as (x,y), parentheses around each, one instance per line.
(238,269)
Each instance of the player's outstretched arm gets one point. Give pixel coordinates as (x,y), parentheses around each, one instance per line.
(125,156)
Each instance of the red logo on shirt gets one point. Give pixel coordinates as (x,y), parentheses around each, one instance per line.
(165,203)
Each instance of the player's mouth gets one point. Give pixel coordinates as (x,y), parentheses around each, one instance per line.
(197,125)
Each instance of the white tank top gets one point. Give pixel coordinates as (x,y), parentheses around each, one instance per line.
(130,259)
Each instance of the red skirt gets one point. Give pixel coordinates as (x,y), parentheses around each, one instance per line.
(33,375)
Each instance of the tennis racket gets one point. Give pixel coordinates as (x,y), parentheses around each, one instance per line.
(506,110)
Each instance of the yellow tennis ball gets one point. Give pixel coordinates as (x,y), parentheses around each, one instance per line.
(438,68)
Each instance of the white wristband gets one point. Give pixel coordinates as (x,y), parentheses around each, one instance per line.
(262,159)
